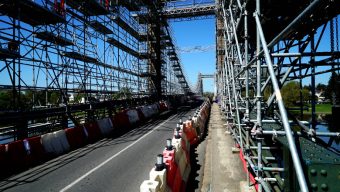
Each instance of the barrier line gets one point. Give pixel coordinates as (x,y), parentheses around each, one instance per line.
(112,157)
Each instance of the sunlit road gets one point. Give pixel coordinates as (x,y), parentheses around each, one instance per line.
(112,164)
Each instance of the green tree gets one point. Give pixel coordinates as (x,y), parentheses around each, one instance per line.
(123,93)
(267,92)
(54,97)
(5,100)
(291,93)
(333,87)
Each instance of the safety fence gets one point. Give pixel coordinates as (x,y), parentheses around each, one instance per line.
(173,165)
(22,154)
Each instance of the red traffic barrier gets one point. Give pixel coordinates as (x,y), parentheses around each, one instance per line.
(35,150)
(3,161)
(171,166)
(17,155)
(178,182)
(190,132)
(121,121)
(76,137)
(93,132)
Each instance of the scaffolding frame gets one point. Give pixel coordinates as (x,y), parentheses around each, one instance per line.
(79,49)
(248,66)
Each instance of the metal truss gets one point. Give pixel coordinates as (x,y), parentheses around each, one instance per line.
(82,53)
(192,11)
(199,85)
(251,72)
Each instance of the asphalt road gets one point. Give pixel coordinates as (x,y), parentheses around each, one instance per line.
(112,164)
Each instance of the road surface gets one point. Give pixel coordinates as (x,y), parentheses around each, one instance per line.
(111,164)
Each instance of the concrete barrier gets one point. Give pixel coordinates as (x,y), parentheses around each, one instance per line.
(61,137)
(34,150)
(147,111)
(46,140)
(133,116)
(105,125)
(55,143)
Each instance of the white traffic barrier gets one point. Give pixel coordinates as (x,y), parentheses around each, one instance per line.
(177,143)
(180,156)
(46,141)
(149,186)
(133,116)
(182,165)
(105,125)
(146,110)
(60,137)
(159,176)
(154,109)
(56,145)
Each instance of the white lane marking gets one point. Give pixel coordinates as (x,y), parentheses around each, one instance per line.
(112,157)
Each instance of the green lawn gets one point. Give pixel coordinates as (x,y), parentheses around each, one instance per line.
(321,108)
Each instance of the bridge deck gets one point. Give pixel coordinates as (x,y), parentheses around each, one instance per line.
(117,164)
(222,169)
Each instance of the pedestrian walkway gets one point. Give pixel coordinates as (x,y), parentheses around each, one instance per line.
(222,170)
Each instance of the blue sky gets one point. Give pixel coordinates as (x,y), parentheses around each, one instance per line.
(202,33)
(197,33)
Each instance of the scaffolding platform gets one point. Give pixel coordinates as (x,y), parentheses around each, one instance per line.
(141,18)
(118,69)
(29,12)
(52,38)
(121,23)
(80,57)
(143,37)
(123,47)
(7,54)
(169,44)
(174,58)
(96,25)
(131,5)
(172,53)
(144,55)
(147,74)
(88,7)
(278,14)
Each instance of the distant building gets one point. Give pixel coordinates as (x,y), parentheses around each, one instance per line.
(320,96)
(71,97)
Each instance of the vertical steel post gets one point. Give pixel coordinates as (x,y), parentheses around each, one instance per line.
(283,112)
(258,98)
(312,62)
(247,86)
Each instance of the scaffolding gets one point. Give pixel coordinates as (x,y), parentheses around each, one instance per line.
(261,45)
(63,54)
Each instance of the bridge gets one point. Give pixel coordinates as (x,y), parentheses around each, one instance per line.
(90,92)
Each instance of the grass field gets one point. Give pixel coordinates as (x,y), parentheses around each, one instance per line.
(321,109)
